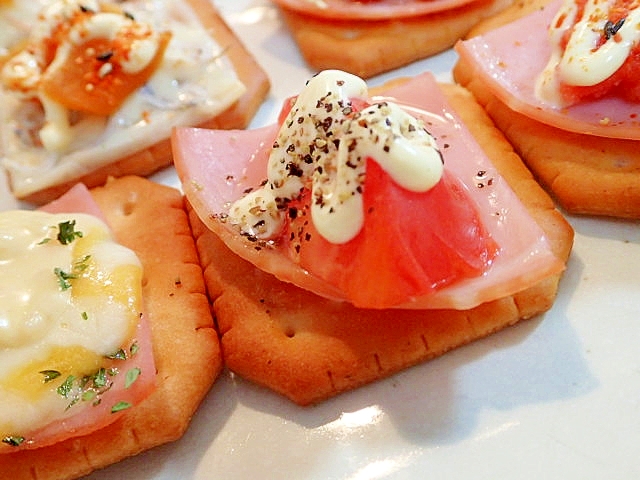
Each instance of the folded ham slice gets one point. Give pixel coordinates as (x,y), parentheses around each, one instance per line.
(215,167)
(510,58)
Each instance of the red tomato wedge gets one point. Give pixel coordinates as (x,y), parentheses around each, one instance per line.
(411,243)
(510,58)
(345,10)
(624,81)
(84,417)
(215,167)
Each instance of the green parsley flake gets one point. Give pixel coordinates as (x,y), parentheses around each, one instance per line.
(66,387)
(49,375)
(13,440)
(118,355)
(63,278)
(131,376)
(100,378)
(118,407)
(67,232)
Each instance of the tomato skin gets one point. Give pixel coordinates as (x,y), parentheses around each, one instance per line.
(622,83)
(411,243)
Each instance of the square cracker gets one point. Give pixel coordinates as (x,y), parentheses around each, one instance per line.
(586,174)
(238,115)
(370,47)
(150,219)
(309,348)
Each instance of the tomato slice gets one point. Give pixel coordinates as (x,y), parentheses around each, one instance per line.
(467,241)
(410,245)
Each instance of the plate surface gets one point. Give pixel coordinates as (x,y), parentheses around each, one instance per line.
(555,397)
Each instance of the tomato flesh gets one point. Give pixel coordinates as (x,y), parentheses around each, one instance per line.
(411,243)
(623,83)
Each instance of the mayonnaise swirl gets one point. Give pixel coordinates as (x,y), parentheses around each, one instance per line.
(587,60)
(324,144)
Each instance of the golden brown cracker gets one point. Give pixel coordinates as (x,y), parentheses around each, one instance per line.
(158,156)
(585,173)
(369,47)
(309,348)
(150,219)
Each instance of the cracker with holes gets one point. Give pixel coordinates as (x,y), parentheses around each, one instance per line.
(310,304)
(151,220)
(576,130)
(355,36)
(94,89)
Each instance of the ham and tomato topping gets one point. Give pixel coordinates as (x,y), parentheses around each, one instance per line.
(74,351)
(572,65)
(453,235)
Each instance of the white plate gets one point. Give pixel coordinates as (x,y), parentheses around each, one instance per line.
(556,397)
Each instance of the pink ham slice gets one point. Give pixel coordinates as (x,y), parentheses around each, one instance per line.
(90,418)
(344,10)
(216,166)
(510,58)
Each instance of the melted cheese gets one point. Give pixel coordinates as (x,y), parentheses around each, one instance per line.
(47,326)
(322,143)
(44,143)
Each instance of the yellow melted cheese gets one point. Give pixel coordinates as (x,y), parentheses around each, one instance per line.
(47,326)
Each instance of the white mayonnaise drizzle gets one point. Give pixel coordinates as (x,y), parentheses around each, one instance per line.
(582,63)
(322,143)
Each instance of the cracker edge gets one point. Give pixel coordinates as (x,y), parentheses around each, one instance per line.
(363,47)
(150,219)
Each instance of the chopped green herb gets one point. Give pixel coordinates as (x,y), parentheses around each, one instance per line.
(133,349)
(66,387)
(118,355)
(100,378)
(85,315)
(49,375)
(44,240)
(67,232)
(82,264)
(89,395)
(131,376)
(63,278)
(120,406)
(13,440)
